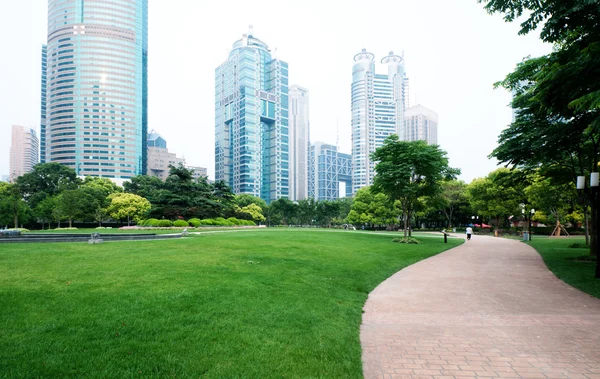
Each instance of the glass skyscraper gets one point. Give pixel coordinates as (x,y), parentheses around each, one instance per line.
(299,142)
(378,103)
(43,108)
(327,169)
(251,121)
(97,90)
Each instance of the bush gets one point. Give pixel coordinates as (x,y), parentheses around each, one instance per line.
(180,223)
(208,222)
(150,222)
(235,221)
(195,222)
(65,228)
(408,240)
(164,223)
(248,223)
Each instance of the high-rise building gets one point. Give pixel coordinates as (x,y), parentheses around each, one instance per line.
(159,159)
(97,89)
(43,108)
(299,142)
(328,168)
(420,123)
(378,102)
(156,140)
(251,121)
(23,151)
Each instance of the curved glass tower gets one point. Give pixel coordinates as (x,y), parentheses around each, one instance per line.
(378,102)
(97,89)
(251,121)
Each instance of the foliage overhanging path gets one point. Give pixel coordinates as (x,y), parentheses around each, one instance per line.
(487,306)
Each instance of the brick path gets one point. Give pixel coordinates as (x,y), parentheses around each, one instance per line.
(487,309)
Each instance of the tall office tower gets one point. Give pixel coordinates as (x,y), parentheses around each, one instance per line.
(23,151)
(327,169)
(156,140)
(420,123)
(43,108)
(97,89)
(251,121)
(299,142)
(378,102)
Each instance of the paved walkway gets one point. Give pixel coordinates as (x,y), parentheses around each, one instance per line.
(487,309)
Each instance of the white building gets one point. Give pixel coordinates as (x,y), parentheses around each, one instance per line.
(23,151)
(420,123)
(299,134)
(378,102)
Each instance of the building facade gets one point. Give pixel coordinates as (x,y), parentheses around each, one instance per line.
(378,102)
(251,121)
(327,169)
(43,107)
(23,151)
(159,159)
(420,123)
(299,142)
(96,92)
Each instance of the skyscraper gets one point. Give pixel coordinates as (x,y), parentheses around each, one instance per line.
(251,121)
(327,169)
(43,108)
(97,91)
(420,123)
(299,142)
(23,151)
(378,102)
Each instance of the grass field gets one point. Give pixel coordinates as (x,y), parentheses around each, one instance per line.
(247,304)
(562,260)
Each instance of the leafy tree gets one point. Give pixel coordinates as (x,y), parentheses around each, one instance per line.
(75,204)
(46,179)
(128,205)
(253,212)
(491,198)
(99,189)
(12,207)
(326,211)
(453,195)
(552,198)
(283,209)
(45,210)
(307,210)
(407,171)
(372,209)
(244,200)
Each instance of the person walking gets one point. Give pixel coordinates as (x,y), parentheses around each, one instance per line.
(469,232)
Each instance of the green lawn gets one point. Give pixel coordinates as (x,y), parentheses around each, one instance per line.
(127,231)
(560,259)
(248,304)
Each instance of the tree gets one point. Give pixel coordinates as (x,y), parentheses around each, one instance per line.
(491,198)
(407,171)
(371,209)
(253,212)
(556,96)
(45,210)
(99,189)
(75,204)
(307,209)
(554,199)
(128,205)
(453,195)
(244,200)
(46,179)
(283,209)
(12,207)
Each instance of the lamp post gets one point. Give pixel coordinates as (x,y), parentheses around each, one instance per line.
(528,217)
(594,181)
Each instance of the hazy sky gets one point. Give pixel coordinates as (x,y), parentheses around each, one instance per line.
(454,52)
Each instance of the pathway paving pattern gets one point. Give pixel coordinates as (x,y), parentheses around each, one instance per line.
(487,309)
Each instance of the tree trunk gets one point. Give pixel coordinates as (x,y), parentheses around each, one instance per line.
(16,220)
(70,222)
(557,232)
(586,225)
(405,220)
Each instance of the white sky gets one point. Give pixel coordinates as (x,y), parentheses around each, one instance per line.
(454,52)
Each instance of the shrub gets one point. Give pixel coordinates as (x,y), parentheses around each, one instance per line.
(100,227)
(164,223)
(180,223)
(195,222)
(235,221)
(208,221)
(409,240)
(141,223)
(65,228)
(248,223)
(150,222)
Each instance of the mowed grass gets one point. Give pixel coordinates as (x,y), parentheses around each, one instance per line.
(562,261)
(249,304)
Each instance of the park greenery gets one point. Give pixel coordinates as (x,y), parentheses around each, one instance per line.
(265,303)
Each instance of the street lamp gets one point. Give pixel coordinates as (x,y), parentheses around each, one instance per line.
(528,217)
(594,181)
